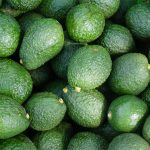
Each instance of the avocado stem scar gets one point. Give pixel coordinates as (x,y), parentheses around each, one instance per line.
(148,66)
(65,90)
(78,89)
(21,62)
(61,100)
(27,116)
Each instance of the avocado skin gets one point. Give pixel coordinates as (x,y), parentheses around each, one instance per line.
(85,23)
(146,96)
(89,67)
(16,143)
(10,34)
(54,139)
(13,118)
(88,141)
(42,41)
(28,19)
(117,39)
(129,74)
(108,7)
(86,108)
(60,62)
(25,5)
(146,129)
(126,113)
(140,29)
(128,141)
(56,9)
(45,110)
(16,81)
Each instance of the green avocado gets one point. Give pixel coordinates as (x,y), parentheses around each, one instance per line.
(126,113)
(85,22)
(13,119)
(25,5)
(28,19)
(89,67)
(15,81)
(140,29)
(10,34)
(86,108)
(146,129)
(130,74)
(42,41)
(128,141)
(54,139)
(108,7)
(117,39)
(87,141)
(57,9)
(19,142)
(46,111)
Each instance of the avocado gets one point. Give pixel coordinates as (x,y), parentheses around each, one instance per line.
(47,42)
(46,111)
(8,10)
(126,113)
(138,21)
(87,141)
(27,19)
(89,67)
(85,22)
(56,9)
(86,108)
(10,34)
(25,5)
(146,129)
(56,87)
(19,142)
(146,96)
(128,141)
(60,62)
(13,120)
(15,81)
(130,74)
(108,7)
(117,39)
(54,139)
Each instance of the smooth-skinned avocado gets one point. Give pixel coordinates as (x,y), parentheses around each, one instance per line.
(10,34)
(24,4)
(89,67)
(15,81)
(42,41)
(85,22)
(87,141)
(126,113)
(108,7)
(54,139)
(130,74)
(13,120)
(128,141)
(86,108)
(56,9)
(46,111)
(138,21)
(117,39)
(19,142)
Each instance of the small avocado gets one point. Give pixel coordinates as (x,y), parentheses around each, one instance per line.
(13,120)
(89,67)
(19,142)
(126,113)
(85,22)
(86,108)
(54,139)
(87,141)
(128,141)
(46,111)
(10,34)
(15,81)
(42,41)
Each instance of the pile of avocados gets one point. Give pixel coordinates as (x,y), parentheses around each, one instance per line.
(74,75)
